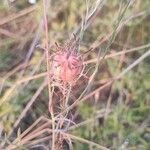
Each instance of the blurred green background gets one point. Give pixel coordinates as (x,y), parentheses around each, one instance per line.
(127,126)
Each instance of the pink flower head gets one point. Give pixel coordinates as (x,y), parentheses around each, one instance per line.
(67,64)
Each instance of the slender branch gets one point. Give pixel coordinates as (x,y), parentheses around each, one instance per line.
(45,3)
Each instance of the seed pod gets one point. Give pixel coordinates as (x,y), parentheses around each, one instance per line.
(67,64)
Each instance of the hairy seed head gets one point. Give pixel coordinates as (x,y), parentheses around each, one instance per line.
(67,64)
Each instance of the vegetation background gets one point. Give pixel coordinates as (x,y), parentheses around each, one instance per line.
(116,116)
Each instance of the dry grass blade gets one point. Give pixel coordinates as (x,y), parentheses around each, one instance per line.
(45,9)
(10,74)
(86,141)
(20,14)
(90,120)
(9,92)
(142,47)
(31,133)
(146,54)
(9,34)
(29,104)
